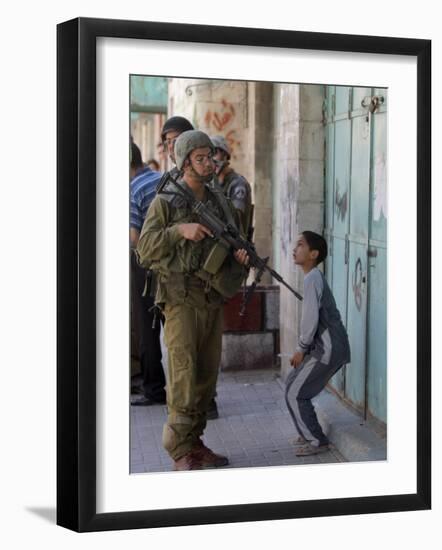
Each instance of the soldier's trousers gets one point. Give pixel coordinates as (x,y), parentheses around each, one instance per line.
(193,337)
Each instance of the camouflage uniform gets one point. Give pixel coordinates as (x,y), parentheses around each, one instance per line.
(235,186)
(191,299)
(238,189)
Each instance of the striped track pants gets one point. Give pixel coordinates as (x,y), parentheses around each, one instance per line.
(304,383)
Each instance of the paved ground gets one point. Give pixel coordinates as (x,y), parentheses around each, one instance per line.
(254,427)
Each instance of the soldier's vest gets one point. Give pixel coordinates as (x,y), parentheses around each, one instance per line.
(210,262)
(231,181)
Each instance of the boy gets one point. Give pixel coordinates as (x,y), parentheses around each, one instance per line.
(323,346)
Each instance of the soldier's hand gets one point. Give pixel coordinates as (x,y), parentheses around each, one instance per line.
(241,256)
(194,231)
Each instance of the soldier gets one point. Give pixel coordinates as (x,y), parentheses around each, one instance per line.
(173,127)
(194,275)
(235,186)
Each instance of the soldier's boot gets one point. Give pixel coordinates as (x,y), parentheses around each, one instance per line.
(187,462)
(207,458)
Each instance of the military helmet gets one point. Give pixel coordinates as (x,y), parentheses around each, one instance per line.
(187,142)
(220,142)
(175,124)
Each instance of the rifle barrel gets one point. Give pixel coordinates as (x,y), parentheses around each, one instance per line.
(236,241)
(291,289)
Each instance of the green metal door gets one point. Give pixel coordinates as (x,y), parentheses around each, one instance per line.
(355,229)
(377,266)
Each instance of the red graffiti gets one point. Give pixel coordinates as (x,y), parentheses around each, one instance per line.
(228,106)
(219,120)
(208,118)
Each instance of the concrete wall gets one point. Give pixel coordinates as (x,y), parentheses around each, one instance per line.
(298,191)
(217,107)
(261,128)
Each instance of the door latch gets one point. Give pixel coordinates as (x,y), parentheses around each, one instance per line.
(372,253)
(372,102)
(376,100)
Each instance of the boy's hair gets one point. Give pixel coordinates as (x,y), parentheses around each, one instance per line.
(316,242)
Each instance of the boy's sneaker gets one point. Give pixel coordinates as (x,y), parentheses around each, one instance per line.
(308,449)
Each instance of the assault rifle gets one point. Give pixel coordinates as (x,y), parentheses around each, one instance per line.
(225,232)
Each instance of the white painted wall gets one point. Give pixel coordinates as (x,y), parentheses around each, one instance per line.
(298,191)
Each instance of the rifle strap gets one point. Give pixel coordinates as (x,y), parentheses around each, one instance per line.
(173,197)
(215,188)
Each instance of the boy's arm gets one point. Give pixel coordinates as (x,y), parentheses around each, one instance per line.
(313,288)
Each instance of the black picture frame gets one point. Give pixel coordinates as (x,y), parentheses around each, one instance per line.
(76,273)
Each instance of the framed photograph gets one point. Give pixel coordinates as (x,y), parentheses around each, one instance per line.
(330,138)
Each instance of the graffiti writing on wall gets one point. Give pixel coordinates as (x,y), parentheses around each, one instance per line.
(220,121)
(341,203)
(357,284)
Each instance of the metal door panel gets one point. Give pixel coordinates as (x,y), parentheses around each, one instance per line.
(338,211)
(356,324)
(377,334)
(355,227)
(379,177)
(329,175)
(359,94)
(330,92)
(377,260)
(341,101)
(360,179)
(342,147)
(339,289)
